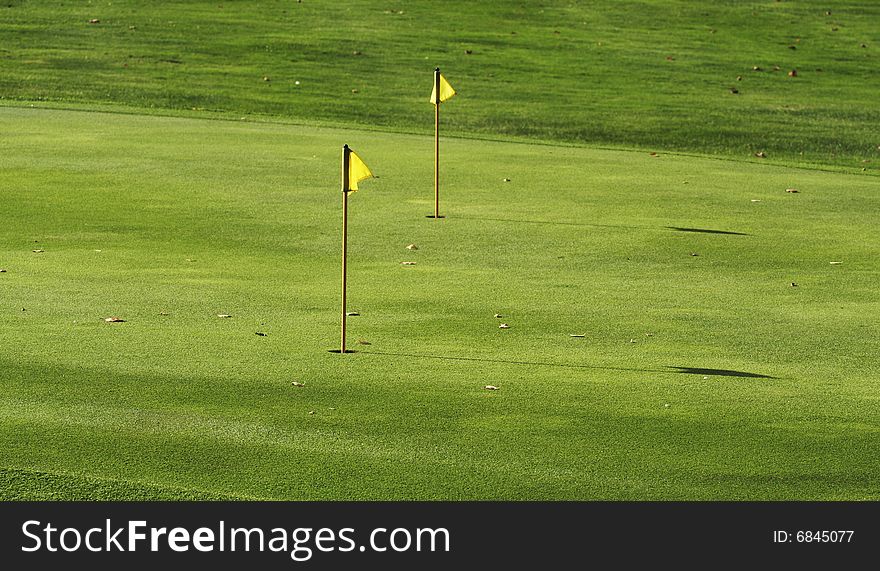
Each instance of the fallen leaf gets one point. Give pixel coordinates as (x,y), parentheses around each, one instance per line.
(670,58)
(792,190)
(356,53)
(793,284)
(694,254)
(506,179)
(761,155)
(739,78)
(490,388)
(114,320)
(756,68)
(94,21)
(498,316)
(407,263)
(653,154)
(632,341)
(649,334)
(297,384)
(163,313)
(355,91)
(504,326)
(733,90)
(792,73)
(223,315)
(38,251)
(412,247)
(311,412)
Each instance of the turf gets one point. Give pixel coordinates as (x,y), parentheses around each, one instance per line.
(654,74)
(699,376)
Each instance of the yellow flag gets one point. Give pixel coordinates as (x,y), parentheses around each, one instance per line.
(446,91)
(357,171)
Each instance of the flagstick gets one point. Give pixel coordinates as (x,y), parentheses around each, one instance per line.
(345,159)
(437,144)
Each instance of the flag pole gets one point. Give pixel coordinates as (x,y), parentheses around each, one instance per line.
(345,159)
(437,143)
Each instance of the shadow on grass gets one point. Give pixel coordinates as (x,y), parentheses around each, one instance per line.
(719,372)
(510,362)
(706,231)
(685,370)
(593,225)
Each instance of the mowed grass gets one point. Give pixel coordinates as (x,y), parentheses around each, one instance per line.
(704,376)
(652,74)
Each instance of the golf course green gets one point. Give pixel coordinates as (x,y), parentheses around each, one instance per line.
(687,321)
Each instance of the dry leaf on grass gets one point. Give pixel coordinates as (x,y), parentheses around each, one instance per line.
(792,190)
(504,326)
(407,263)
(297,384)
(491,388)
(114,320)
(412,247)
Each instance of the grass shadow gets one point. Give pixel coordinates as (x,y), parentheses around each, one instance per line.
(719,372)
(707,231)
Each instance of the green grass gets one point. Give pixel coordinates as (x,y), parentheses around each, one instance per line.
(196,218)
(581,72)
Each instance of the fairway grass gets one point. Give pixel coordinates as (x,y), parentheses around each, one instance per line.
(652,74)
(706,376)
